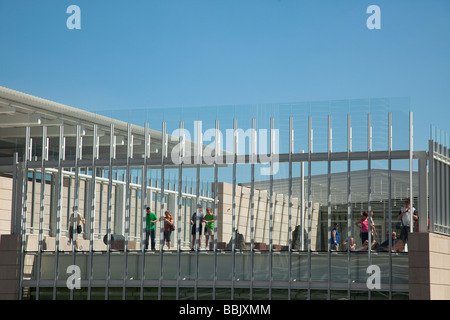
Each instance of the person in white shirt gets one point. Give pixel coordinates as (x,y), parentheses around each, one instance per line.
(405,217)
(80,219)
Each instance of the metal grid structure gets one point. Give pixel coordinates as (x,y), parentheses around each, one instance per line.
(233,260)
(439,187)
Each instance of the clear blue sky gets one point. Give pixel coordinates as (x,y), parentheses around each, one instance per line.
(190,53)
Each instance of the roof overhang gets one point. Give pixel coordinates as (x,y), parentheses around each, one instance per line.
(19,111)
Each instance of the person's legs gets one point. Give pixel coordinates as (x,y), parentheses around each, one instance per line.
(78,233)
(404,236)
(200,238)
(167,235)
(209,237)
(364,236)
(147,236)
(193,233)
(152,238)
(206,240)
(193,241)
(70,235)
(212,239)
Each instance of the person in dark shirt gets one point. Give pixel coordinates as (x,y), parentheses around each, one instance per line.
(201,218)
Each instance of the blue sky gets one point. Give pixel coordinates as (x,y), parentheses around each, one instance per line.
(196,53)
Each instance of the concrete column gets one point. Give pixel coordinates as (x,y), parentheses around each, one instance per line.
(119,212)
(150,200)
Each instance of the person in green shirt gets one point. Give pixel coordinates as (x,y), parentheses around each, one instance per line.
(209,227)
(150,231)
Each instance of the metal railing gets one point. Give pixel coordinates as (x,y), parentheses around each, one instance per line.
(439,187)
(178,159)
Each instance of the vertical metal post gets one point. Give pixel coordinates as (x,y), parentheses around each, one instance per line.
(252,208)
(186,235)
(197,203)
(349,201)
(69,200)
(423,192)
(310,150)
(15,220)
(329,204)
(411,194)
(136,209)
(61,157)
(271,213)
(161,228)
(446,191)
(369,193)
(41,210)
(390,201)
(23,227)
(180,201)
(440,187)
(431,184)
(233,213)
(217,153)
(33,201)
(100,207)
(76,191)
(112,153)
(302,204)
(95,155)
(144,204)
(291,151)
(442,191)
(127,208)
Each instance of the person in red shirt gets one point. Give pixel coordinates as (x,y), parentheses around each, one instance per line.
(363,224)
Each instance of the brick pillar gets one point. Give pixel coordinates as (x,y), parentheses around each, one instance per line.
(10,245)
(429,266)
(419,266)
